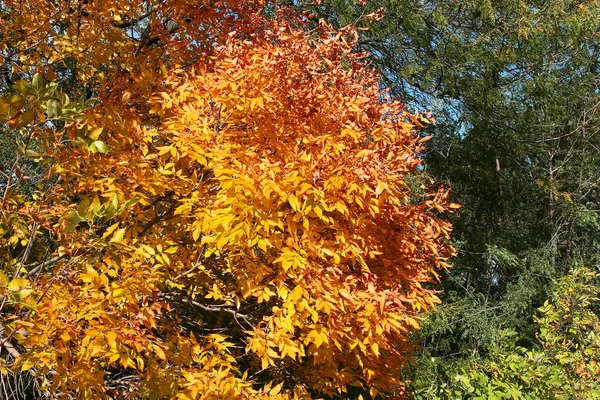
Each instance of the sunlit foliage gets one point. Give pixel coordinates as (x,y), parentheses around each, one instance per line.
(224,209)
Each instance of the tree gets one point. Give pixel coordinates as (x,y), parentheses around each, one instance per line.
(225,209)
(564,367)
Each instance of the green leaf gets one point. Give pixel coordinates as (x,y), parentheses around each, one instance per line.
(101,146)
(74,219)
(37,82)
(53,109)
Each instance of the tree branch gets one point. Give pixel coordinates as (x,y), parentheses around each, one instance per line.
(42,265)
(220,308)
(156,219)
(133,21)
(5,342)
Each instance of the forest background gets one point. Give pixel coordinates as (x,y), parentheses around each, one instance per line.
(513,88)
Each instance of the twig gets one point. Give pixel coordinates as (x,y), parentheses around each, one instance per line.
(44,264)
(212,308)
(6,343)
(194,267)
(27,253)
(158,218)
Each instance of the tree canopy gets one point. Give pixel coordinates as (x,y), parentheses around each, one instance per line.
(206,200)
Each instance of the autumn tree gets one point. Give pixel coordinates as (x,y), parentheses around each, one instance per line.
(206,200)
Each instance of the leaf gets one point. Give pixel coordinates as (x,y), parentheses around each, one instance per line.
(375,348)
(160,353)
(118,293)
(74,219)
(3,279)
(18,284)
(101,146)
(118,236)
(110,230)
(26,366)
(4,109)
(221,213)
(275,390)
(17,102)
(21,119)
(19,287)
(53,109)
(94,134)
(37,82)
(89,275)
(293,200)
(111,338)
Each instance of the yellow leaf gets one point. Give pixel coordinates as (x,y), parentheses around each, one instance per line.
(164,150)
(222,241)
(110,230)
(3,279)
(111,337)
(160,353)
(275,391)
(413,322)
(89,275)
(27,365)
(263,244)
(318,341)
(375,348)
(317,209)
(118,236)
(336,258)
(171,250)
(293,200)
(18,284)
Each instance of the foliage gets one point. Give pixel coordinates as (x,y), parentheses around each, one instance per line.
(225,209)
(514,87)
(565,367)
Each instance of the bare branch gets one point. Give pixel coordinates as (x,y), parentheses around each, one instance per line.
(6,343)
(46,263)
(194,267)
